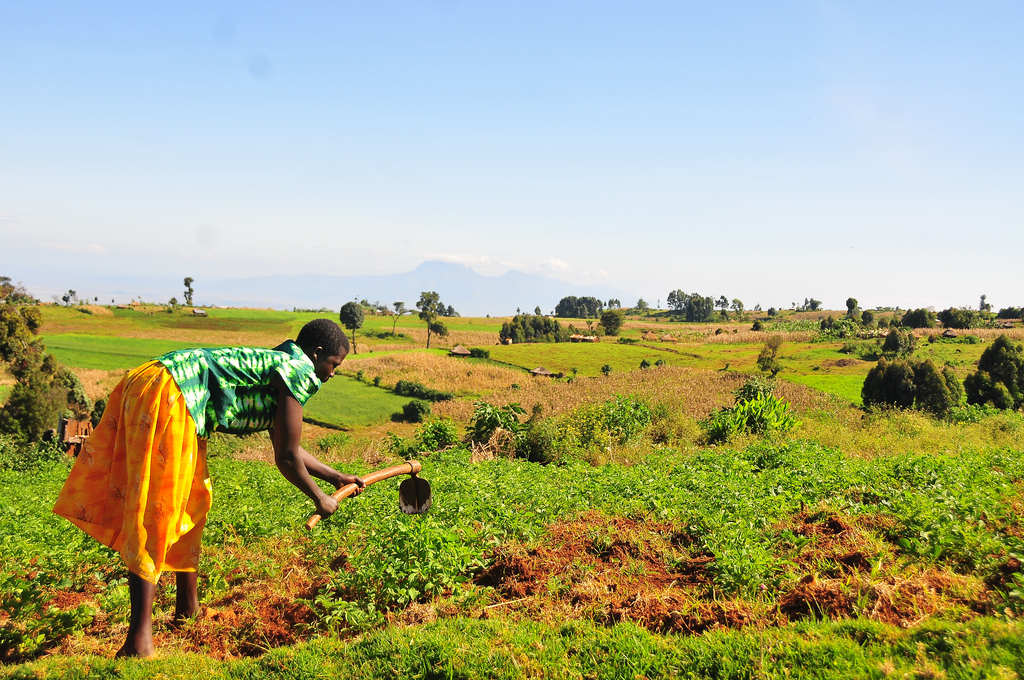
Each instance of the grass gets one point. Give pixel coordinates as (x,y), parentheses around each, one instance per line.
(109,353)
(345,402)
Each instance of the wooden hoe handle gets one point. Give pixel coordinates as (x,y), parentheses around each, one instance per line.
(409,468)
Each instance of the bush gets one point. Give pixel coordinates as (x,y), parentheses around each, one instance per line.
(414,411)
(17,455)
(479,353)
(488,418)
(999,380)
(903,384)
(411,388)
(900,344)
(437,434)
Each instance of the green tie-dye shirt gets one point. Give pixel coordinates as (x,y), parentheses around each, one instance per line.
(227,389)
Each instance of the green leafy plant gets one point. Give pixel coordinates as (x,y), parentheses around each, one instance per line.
(757,411)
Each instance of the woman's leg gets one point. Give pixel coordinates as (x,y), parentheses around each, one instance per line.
(140,627)
(186,600)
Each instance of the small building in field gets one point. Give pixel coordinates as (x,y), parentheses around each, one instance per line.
(649,336)
(949,333)
(668,337)
(198,312)
(459,351)
(540,370)
(576,337)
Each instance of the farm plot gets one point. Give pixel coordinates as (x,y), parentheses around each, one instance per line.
(788,543)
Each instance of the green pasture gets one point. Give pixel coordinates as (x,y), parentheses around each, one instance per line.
(346,402)
(4,391)
(109,353)
(586,357)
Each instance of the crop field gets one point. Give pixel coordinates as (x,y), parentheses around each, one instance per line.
(598,533)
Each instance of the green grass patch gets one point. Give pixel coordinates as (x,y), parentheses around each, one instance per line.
(346,402)
(587,357)
(109,353)
(5,391)
(845,386)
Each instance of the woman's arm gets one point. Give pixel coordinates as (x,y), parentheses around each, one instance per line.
(294,462)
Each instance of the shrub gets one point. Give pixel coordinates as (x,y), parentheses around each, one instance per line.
(18,455)
(414,411)
(437,434)
(479,353)
(889,383)
(900,344)
(606,369)
(411,388)
(999,380)
(898,383)
(487,418)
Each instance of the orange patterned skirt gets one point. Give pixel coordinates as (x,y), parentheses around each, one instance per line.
(140,485)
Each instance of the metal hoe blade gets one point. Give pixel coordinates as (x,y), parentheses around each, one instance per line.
(414,496)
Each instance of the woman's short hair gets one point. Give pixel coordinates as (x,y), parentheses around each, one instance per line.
(325,334)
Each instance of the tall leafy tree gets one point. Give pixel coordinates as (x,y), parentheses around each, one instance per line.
(351,317)
(188,290)
(431,308)
(399,311)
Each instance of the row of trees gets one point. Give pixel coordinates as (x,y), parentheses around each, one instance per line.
(430,307)
(905,383)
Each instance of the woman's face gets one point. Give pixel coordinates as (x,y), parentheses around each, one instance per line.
(324,365)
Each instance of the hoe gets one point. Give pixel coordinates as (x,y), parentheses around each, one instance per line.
(413,493)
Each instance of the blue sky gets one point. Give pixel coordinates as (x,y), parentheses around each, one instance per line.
(766,151)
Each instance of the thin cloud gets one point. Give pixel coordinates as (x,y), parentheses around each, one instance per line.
(90,248)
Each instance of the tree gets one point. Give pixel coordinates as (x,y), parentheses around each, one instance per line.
(852,308)
(535,328)
(984,306)
(613,303)
(351,317)
(188,290)
(737,306)
(70,298)
(431,307)
(964,317)
(767,360)
(399,311)
(918,318)
(606,369)
(641,305)
(999,379)
(572,307)
(722,304)
(536,311)
(43,388)
(867,318)
(14,294)
(677,300)
(611,321)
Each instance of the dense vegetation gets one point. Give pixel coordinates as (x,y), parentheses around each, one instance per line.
(620,525)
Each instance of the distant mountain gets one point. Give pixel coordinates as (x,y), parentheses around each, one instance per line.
(470,293)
